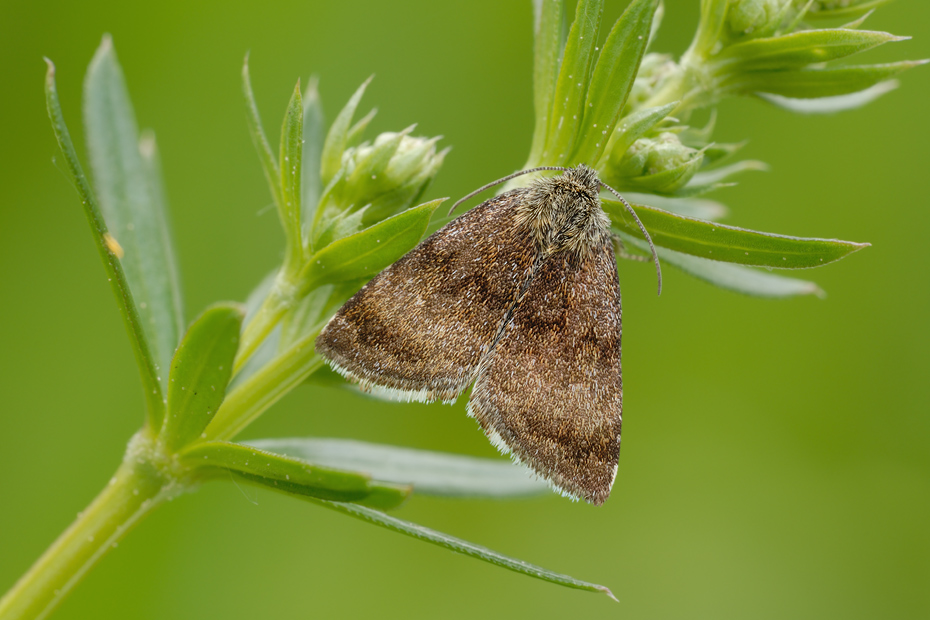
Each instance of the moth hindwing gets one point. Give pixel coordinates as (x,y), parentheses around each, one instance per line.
(520,296)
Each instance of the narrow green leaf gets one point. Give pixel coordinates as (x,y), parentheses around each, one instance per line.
(798,13)
(854,24)
(307,315)
(464,547)
(718,152)
(264,387)
(571,86)
(367,252)
(200,372)
(802,48)
(667,181)
(737,278)
(314,132)
(729,243)
(269,345)
(357,131)
(713,19)
(712,178)
(547,24)
(815,83)
(831,9)
(689,191)
(151,162)
(151,386)
(612,79)
(633,127)
(291,475)
(289,210)
(130,205)
(343,224)
(700,208)
(265,154)
(697,135)
(657,18)
(830,105)
(432,473)
(335,142)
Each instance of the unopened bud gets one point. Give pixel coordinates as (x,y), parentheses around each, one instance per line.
(376,180)
(661,164)
(389,174)
(746,17)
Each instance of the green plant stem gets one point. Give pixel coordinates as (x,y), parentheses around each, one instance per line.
(282,296)
(261,390)
(137,487)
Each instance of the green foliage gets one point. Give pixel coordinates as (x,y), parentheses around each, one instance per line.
(729,243)
(349,208)
(429,473)
(129,188)
(365,253)
(464,547)
(116,275)
(200,372)
(290,475)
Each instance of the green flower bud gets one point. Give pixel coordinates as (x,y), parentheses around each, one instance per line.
(748,17)
(376,180)
(653,72)
(389,174)
(633,163)
(661,165)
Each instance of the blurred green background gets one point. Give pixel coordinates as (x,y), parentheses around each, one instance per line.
(776,455)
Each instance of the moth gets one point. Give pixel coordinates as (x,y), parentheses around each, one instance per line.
(519,296)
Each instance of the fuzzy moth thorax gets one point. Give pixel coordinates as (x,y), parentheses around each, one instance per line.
(564,213)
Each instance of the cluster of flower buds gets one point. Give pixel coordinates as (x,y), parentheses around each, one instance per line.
(334,195)
(660,164)
(755,18)
(378,179)
(762,48)
(373,180)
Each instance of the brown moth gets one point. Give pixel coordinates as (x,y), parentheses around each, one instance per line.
(519,296)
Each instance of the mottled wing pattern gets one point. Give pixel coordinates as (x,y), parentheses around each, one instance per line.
(418,330)
(550,391)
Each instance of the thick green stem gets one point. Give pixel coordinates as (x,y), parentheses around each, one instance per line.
(261,390)
(282,297)
(138,486)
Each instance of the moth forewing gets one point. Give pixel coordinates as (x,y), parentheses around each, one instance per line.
(419,329)
(551,390)
(521,293)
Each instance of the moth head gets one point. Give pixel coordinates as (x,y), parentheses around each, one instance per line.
(563,213)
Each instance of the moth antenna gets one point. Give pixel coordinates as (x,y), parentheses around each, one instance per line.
(655,255)
(506,178)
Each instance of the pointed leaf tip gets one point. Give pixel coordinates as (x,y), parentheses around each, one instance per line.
(730,244)
(131,193)
(464,547)
(114,269)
